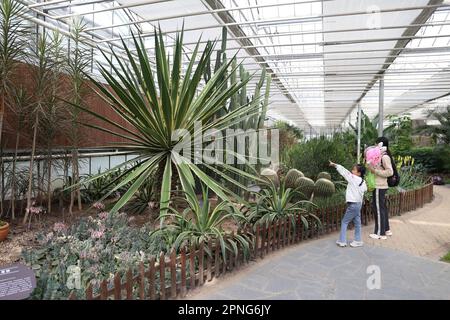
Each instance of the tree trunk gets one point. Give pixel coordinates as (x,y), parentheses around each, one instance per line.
(2,111)
(13,179)
(40,183)
(72,191)
(76,179)
(158,181)
(49,182)
(30,174)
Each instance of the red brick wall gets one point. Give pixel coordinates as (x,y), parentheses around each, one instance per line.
(90,137)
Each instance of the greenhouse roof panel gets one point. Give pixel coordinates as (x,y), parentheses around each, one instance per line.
(325,56)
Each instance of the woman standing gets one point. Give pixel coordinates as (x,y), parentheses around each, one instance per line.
(381,172)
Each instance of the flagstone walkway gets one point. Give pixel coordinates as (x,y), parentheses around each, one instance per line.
(405,266)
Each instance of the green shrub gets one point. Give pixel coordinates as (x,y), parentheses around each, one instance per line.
(446,258)
(433,159)
(311,157)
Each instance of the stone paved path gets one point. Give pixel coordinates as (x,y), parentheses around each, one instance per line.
(424,232)
(319,269)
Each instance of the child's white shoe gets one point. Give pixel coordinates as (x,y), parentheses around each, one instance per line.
(389,233)
(341,244)
(355,244)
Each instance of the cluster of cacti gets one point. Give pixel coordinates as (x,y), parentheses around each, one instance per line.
(241,98)
(295,179)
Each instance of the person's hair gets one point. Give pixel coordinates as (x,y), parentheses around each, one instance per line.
(385,142)
(362,171)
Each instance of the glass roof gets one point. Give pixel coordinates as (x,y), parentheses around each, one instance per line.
(325,56)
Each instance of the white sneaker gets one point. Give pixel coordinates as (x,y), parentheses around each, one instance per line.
(389,233)
(375,236)
(341,244)
(355,244)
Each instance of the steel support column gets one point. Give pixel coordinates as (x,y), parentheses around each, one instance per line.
(381,107)
(359,133)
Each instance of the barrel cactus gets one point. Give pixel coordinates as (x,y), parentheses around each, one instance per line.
(305,187)
(324,175)
(271,176)
(324,188)
(290,181)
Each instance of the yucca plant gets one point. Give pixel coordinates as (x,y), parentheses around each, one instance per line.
(46,54)
(202,223)
(279,203)
(155,104)
(13,43)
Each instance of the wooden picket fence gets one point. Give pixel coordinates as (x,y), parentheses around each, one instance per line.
(172,275)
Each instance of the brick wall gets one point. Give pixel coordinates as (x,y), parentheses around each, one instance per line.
(90,137)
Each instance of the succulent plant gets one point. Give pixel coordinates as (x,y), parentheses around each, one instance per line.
(324,175)
(271,176)
(305,187)
(324,188)
(290,181)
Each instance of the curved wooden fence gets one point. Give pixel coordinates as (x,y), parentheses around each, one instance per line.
(170,276)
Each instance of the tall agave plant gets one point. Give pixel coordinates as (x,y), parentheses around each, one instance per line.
(156,103)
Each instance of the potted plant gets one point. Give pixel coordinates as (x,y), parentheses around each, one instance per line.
(4,230)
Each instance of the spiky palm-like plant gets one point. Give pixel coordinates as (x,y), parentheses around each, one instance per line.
(279,203)
(442,130)
(200,223)
(155,104)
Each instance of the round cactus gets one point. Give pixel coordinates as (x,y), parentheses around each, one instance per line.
(324,175)
(271,176)
(305,187)
(290,181)
(324,188)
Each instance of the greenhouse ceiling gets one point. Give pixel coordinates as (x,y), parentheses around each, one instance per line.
(325,56)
